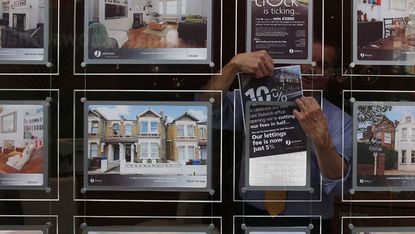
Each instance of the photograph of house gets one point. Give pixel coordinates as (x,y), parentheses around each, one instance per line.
(147,139)
(134,24)
(22,23)
(22,142)
(385,30)
(387,133)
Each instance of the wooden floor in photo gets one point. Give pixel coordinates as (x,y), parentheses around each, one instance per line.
(145,37)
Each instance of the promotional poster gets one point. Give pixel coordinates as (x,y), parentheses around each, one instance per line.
(147,146)
(384,149)
(384,32)
(276,143)
(23,150)
(148,32)
(284,85)
(281,27)
(24,32)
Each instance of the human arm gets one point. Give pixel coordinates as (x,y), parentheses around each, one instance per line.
(315,125)
(258,63)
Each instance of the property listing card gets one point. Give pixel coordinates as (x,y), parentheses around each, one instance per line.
(23,145)
(384,146)
(275,144)
(384,32)
(24,32)
(148,32)
(281,27)
(147,146)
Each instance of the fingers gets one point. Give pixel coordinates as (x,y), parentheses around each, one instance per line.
(268,61)
(263,70)
(300,104)
(263,63)
(298,115)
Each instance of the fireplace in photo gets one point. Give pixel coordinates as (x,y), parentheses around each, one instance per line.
(19,21)
(138,20)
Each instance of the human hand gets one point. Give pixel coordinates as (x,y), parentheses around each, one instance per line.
(258,63)
(313,121)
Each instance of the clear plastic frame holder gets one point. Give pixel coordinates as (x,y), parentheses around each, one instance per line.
(377,224)
(147,224)
(313,68)
(36,223)
(182,167)
(40,178)
(83,66)
(240,192)
(49,65)
(246,224)
(365,48)
(379,172)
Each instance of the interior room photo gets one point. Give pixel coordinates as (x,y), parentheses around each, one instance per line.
(148,23)
(391,24)
(21,139)
(22,23)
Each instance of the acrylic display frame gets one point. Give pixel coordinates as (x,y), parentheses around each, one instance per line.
(214,195)
(236,187)
(80,66)
(51,192)
(312,63)
(50,64)
(346,189)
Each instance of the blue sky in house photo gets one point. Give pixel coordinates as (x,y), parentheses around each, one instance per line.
(130,112)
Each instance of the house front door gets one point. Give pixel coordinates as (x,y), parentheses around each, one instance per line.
(128,153)
(116,152)
(19,21)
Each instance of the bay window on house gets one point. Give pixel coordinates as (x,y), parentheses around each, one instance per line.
(94,127)
(154,127)
(404,134)
(128,130)
(93,150)
(182,152)
(116,129)
(190,131)
(202,133)
(144,127)
(180,130)
(191,152)
(144,150)
(403,159)
(154,150)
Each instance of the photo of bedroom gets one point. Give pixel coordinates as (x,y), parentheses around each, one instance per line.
(118,29)
(384,32)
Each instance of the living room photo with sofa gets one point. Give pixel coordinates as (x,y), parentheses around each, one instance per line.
(23,155)
(148,29)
